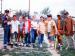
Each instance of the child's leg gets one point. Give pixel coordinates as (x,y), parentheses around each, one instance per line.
(40,39)
(35,35)
(25,39)
(15,34)
(18,39)
(5,39)
(32,37)
(52,42)
(28,34)
(22,37)
(49,37)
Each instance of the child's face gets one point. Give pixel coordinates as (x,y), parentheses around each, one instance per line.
(15,17)
(59,17)
(33,17)
(49,18)
(41,19)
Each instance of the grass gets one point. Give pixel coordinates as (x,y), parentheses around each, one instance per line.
(68,52)
(25,51)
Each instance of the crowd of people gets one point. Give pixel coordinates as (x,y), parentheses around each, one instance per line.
(24,31)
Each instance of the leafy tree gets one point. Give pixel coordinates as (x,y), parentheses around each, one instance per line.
(64,13)
(45,11)
(22,13)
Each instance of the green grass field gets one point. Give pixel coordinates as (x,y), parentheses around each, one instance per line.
(68,52)
(27,51)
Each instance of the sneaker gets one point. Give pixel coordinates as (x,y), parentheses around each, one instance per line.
(21,44)
(5,47)
(41,45)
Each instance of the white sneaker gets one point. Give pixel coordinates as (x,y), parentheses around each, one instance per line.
(41,45)
(21,44)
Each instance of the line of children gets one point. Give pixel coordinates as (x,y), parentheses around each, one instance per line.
(24,31)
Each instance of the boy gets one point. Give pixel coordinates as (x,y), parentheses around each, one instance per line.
(20,34)
(26,29)
(33,31)
(14,29)
(6,26)
(51,24)
(41,31)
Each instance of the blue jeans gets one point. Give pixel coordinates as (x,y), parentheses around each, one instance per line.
(27,39)
(16,36)
(33,35)
(40,39)
(6,35)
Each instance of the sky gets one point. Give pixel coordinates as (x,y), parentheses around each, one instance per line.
(37,5)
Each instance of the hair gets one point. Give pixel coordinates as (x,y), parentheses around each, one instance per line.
(14,15)
(49,15)
(6,11)
(58,15)
(42,17)
(23,17)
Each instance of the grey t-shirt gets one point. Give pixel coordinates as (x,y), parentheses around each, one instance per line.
(21,25)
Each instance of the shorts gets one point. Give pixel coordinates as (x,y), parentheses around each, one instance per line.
(52,38)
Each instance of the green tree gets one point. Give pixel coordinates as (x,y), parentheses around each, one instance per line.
(22,13)
(45,11)
(64,13)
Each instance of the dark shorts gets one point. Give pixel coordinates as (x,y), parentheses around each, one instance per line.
(52,38)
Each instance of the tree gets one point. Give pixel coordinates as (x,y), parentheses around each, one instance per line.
(22,13)
(45,11)
(64,13)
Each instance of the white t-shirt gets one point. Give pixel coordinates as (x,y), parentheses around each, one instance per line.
(34,24)
(51,23)
(14,25)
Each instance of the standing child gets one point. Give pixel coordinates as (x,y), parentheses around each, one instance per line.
(26,28)
(14,29)
(52,30)
(33,31)
(20,34)
(41,31)
(6,26)
(52,35)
